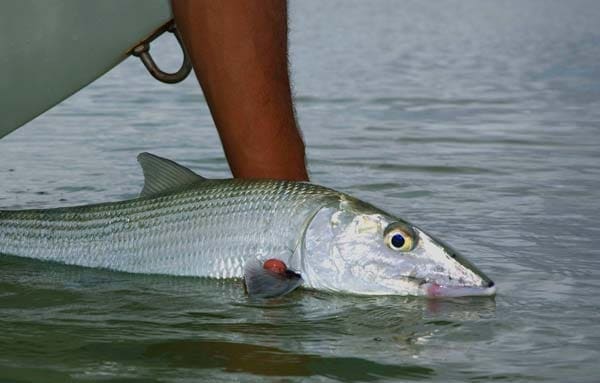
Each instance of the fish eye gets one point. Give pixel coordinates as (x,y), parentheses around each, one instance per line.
(399,240)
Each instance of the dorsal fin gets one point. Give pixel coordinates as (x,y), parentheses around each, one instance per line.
(162,175)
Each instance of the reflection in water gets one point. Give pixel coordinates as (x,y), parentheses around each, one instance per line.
(366,338)
(270,361)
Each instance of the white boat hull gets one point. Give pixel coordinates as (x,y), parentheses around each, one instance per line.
(51,49)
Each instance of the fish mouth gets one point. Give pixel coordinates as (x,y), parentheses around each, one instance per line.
(435,290)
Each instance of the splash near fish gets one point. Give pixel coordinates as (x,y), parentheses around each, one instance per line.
(276,235)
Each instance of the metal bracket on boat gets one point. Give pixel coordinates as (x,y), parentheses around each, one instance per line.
(142,51)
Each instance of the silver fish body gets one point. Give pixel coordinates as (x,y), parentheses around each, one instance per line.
(208,230)
(213,228)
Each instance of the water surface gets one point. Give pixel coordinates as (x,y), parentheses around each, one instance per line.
(478,121)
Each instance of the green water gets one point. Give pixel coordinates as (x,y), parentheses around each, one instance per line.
(478,121)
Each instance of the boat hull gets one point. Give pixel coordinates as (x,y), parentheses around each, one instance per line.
(51,49)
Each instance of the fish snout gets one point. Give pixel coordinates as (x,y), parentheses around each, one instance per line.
(435,290)
(486,282)
(447,287)
(459,280)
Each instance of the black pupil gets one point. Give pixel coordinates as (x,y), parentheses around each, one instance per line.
(398,241)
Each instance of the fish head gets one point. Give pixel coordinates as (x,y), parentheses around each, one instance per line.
(353,247)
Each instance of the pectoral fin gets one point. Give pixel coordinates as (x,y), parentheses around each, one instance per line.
(269,279)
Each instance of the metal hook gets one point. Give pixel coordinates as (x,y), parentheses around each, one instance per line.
(143,52)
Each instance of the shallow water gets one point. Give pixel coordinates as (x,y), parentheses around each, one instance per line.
(478,121)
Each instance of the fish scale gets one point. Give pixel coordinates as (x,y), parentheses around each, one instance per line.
(210,229)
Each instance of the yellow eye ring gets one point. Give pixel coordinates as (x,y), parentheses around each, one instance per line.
(399,240)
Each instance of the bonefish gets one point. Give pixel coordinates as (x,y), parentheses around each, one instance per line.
(276,235)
